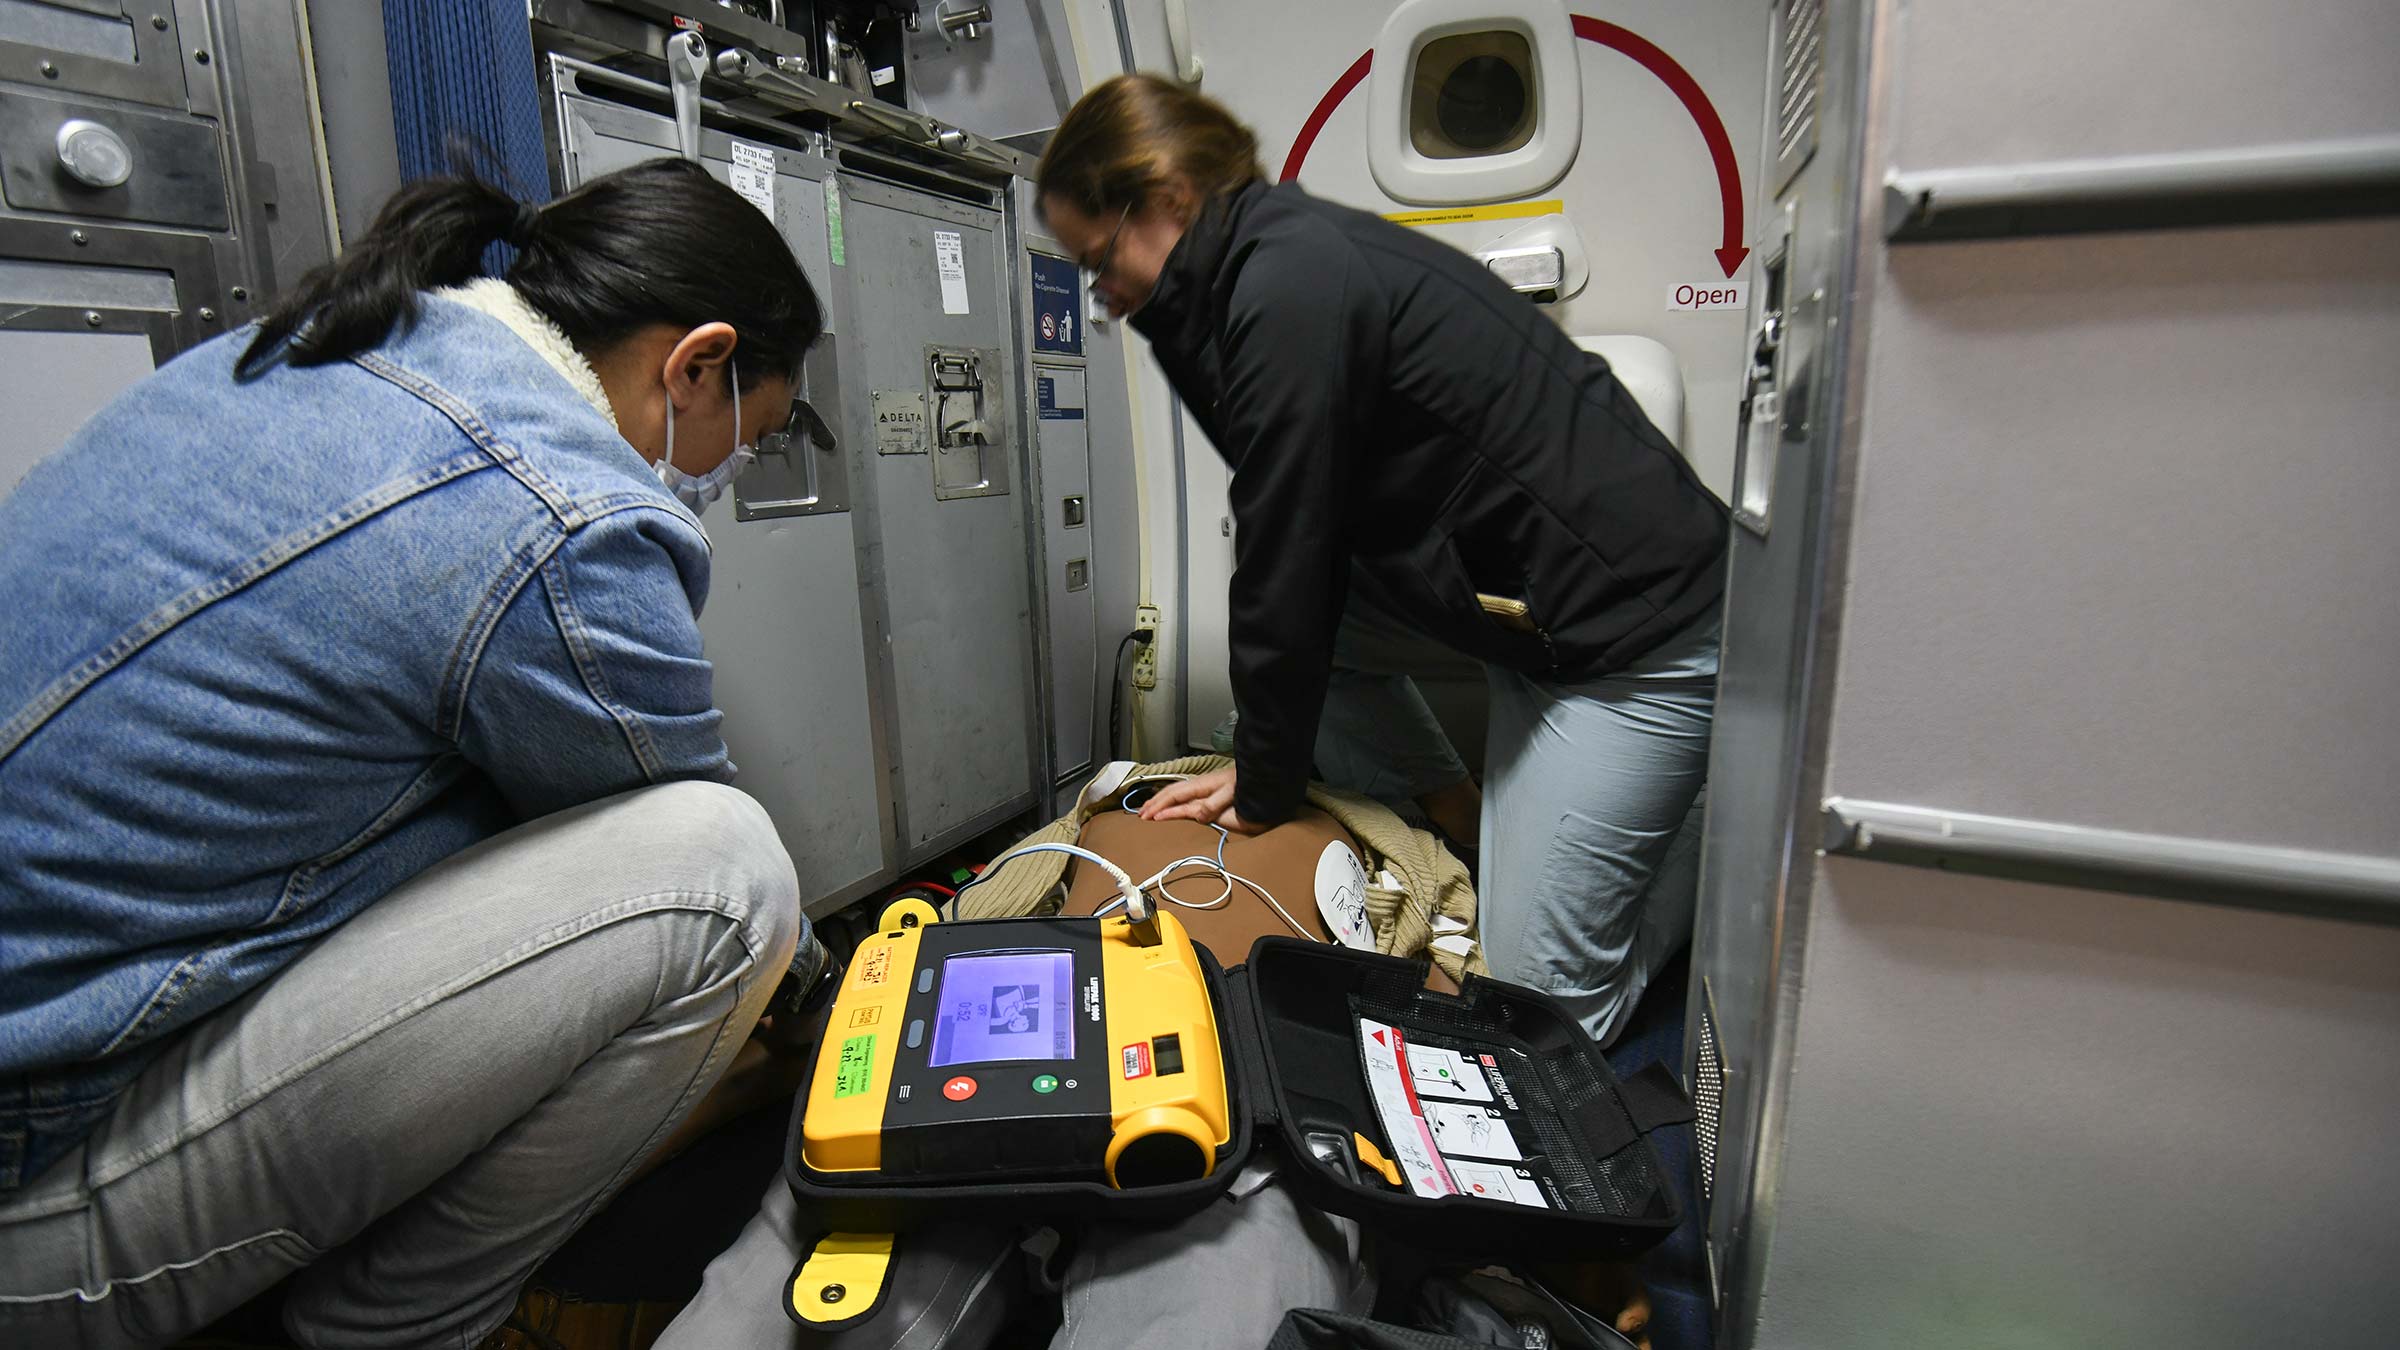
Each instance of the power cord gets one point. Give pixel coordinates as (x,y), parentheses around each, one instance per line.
(1116,691)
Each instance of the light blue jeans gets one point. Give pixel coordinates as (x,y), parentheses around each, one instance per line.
(1592,799)
(429,1100)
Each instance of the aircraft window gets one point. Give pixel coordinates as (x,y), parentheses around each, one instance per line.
(1473,95)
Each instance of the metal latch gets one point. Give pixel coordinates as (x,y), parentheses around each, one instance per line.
(1761,421)
(969,447)
(1538,272)
(958,401)
(964,21)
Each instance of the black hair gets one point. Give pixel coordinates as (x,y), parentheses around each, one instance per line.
(660,242)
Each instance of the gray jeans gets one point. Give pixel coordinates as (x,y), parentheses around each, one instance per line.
(1592,799)
(430,1099)
(1222,1277)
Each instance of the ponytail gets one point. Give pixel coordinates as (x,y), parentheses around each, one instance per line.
(660,242)
(432,233)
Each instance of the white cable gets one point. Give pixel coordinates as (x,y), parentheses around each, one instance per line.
(1126,890)
(1265,895)
(1159,883)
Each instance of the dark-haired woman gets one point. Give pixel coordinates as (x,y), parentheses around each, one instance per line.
(370,899)
(1420,458)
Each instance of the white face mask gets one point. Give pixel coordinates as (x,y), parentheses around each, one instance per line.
(697,492)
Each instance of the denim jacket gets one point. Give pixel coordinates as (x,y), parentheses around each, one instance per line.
(272,647)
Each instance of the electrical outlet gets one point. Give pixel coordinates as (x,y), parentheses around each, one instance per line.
(1145,657)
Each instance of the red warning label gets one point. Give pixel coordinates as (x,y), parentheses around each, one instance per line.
(1137,1060)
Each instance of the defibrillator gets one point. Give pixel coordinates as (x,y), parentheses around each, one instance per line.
(1058,1071)
(1061,1048)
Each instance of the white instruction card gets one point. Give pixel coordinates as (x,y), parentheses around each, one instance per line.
(753,176)
(1396,1106)
(1497,1181)
(1445,1073)
(1472,1131)
(950,258)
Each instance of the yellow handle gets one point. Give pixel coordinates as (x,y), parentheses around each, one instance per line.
(1373,1157)
(842,1277)
(897,914)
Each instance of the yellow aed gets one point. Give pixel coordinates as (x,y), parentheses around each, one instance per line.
(1058,1048)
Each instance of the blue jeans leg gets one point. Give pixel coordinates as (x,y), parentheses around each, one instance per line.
(1591,825)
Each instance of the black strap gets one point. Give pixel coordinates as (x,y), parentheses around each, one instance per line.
(1654,1098)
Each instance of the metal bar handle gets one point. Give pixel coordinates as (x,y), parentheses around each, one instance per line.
(2202,187)
(2341,885)
(687,61)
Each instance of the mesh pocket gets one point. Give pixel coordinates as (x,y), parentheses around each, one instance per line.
(1620,1183)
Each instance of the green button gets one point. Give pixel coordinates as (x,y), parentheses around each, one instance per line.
(1045,1084)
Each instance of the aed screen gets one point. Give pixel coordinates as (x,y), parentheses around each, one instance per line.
(998,1006)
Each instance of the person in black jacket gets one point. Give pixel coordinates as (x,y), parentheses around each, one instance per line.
(1420,456)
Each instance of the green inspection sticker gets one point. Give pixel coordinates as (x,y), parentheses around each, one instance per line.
(858,1065)
(833,220)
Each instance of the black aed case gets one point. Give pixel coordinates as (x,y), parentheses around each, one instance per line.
(1295,1023)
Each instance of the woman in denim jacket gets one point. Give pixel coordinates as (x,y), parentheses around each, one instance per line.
(371,903)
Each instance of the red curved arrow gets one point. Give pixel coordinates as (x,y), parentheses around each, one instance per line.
(1680,81)
(1318,115)
(1695,102)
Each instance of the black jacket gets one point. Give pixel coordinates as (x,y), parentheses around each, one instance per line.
(1384,401)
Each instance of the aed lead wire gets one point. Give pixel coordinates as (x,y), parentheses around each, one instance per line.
(1128,892)
(1134,808)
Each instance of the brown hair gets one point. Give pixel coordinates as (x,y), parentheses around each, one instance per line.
(1134,135)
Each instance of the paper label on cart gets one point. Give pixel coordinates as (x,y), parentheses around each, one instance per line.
(1475,1131)
(1445,1073)
(1491,1181)
(1342,896)
(753,176)
(1386,1054)
(950,259)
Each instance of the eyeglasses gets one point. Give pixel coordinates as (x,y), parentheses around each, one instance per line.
(1108,251)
